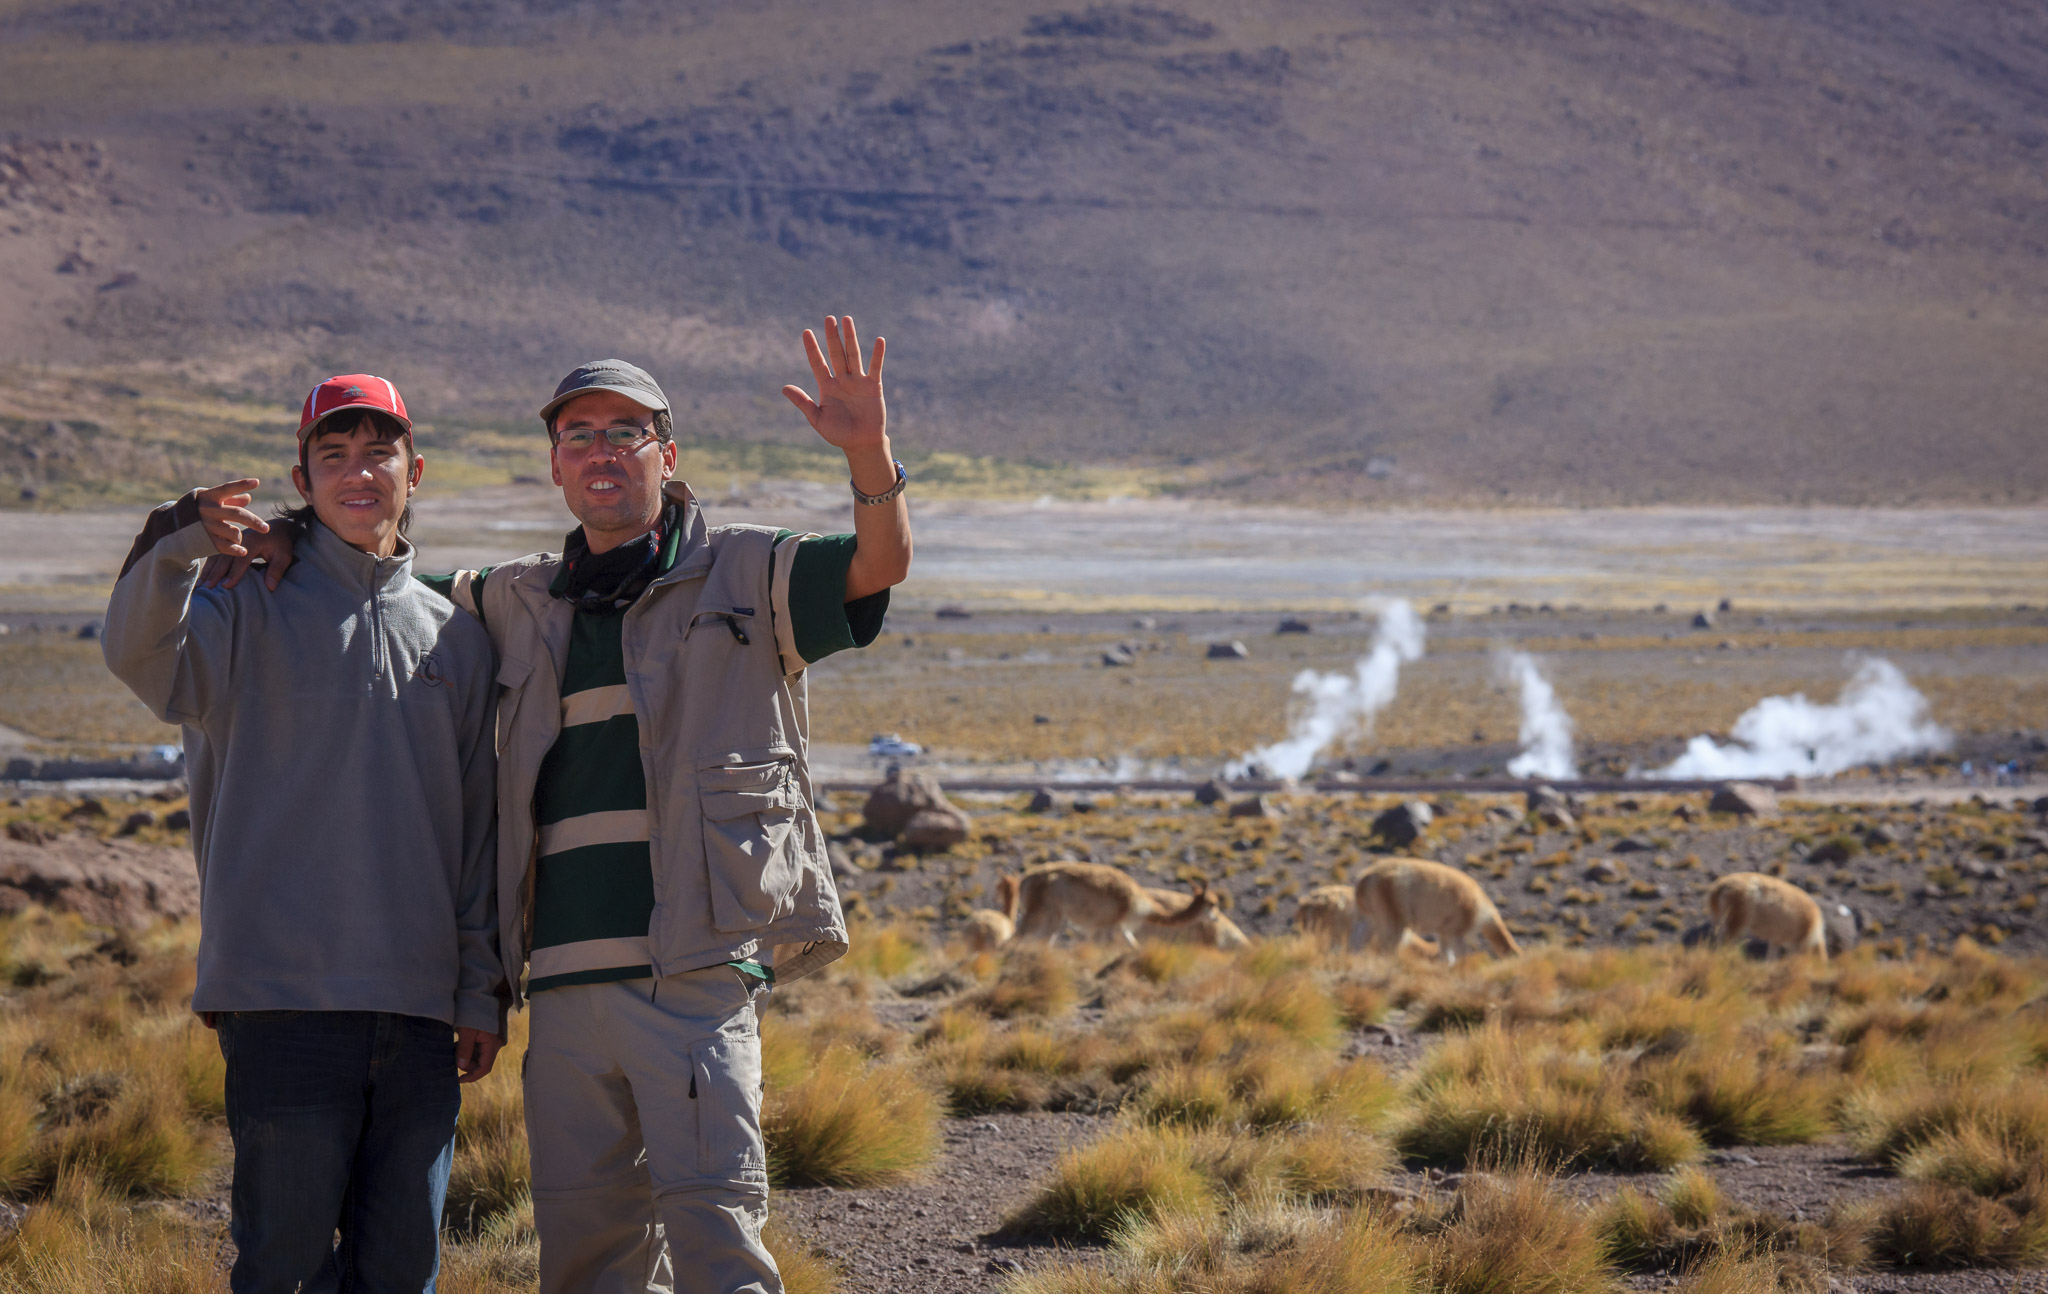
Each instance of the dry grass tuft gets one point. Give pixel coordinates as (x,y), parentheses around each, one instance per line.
(1128,1176)
(83,1240)
(849,1121)
(1513,1233)
(1033,980)
(490,1177)
(1934,1224)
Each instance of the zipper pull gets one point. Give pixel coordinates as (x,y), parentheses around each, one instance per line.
(732,623)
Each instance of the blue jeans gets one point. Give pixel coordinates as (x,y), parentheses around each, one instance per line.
(341,1120)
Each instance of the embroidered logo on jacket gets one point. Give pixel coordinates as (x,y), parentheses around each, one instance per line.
(428,671)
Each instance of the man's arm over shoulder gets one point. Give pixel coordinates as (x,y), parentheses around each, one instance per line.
(167,646)
(813,619)
(464,588)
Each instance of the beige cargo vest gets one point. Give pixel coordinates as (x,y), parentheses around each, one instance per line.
(740,869)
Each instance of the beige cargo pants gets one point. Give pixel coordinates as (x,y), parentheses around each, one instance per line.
(643,1111)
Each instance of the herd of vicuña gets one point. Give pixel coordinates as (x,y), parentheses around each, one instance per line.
(1395,903)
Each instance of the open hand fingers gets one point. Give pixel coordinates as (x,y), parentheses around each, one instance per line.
(849,340)
(804,403)
(226,538)
(235,515)
(816,357)
(881,349)
(223,492)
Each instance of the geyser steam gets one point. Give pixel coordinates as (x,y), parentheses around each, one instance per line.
(1546,728)
(1343,705)
(1879,717)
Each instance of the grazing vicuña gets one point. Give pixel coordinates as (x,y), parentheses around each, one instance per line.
(1094,898)
(1213,931)
(1408,894)
(989,929)
(1753,905)
(1328,913)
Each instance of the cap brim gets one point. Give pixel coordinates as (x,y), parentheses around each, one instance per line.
(314,425)
(639,395)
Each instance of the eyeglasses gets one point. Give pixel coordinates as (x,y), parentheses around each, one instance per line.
(625,435)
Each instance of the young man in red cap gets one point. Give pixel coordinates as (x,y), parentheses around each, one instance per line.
(659,862)
(339,739)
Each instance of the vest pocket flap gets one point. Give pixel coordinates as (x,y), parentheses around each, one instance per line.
(735,790)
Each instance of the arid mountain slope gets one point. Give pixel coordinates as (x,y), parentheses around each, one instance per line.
(1582,250)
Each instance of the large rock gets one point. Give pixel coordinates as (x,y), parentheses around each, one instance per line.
(1042,801)
(932,830)
(1744,800)
(898,798)
(1211,792)
(1404,823)
(1232,650)
(1844,924)
(110,882)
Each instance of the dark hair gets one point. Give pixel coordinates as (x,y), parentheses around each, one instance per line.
(664,426)
(382,426)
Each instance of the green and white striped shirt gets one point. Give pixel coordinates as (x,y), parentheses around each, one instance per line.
(594,891)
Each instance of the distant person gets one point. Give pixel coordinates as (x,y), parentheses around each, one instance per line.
(339,741)
(658,857)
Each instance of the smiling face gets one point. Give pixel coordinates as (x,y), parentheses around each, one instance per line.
(357,475)
(614,492)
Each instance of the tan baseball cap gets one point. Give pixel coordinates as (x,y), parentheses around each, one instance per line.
(629,380)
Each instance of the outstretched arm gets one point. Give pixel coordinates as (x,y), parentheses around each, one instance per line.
(850,415)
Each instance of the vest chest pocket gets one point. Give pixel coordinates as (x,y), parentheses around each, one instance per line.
(751,842)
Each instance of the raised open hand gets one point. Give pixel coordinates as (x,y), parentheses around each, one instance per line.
(849,412)
(224,511)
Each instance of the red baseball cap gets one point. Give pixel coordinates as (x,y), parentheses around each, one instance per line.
(351,391)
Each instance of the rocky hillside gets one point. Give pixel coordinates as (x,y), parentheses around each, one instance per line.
(1553,250)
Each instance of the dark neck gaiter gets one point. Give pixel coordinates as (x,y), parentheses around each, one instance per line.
(607,583)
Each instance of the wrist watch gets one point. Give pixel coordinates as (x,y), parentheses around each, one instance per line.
(886,495)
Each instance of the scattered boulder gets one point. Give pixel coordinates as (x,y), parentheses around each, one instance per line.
(1404,823)
(1829,853)
(1042,801)
(1843,923)
(30,833)
(1744,800)
(953,611)
(932,830)
(135,822)
(90,630)
(86,810)
(897,799)
(1119,656)
(178,820)
(1606,872)
(1084,804)
(2041,805)
(1212,791)
(1255,806)
(1879,836)
(109,883)
(824,803)
(1232,650)
(1503,813)
(1684,813)
(1978,870)
(1703,621)
(1630,845)
(1293,626)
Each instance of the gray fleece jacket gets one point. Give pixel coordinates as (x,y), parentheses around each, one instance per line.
(339,739)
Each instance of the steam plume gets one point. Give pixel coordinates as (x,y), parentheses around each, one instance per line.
(1546,728)
(1343,705)
(1879,717)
